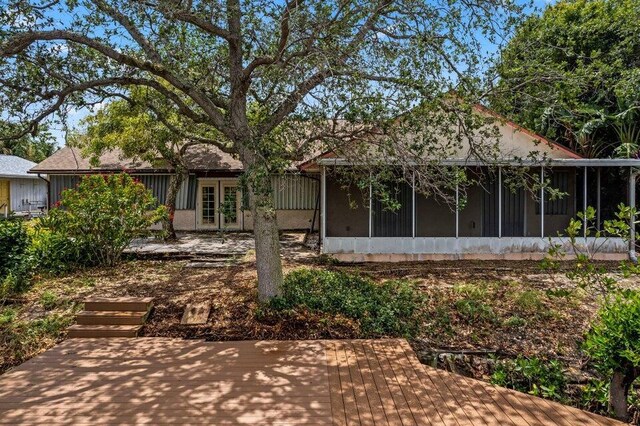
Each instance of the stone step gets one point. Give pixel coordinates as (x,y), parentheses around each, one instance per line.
(88,331)
(140,304)
(111,317)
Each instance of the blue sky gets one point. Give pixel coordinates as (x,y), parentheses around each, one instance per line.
(76,116)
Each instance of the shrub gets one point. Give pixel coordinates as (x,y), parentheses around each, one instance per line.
(531,375)
(56,253)
(613,343)
(103,214)
(15,263)
(389,309)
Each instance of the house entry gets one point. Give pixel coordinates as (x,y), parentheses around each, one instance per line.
(219,204)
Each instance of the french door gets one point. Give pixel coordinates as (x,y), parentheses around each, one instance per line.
(219,204)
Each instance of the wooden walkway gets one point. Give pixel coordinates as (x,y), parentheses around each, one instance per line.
(168,381)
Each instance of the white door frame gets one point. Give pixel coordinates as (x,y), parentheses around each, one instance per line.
(218,184)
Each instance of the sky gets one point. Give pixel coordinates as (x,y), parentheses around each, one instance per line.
(75,117)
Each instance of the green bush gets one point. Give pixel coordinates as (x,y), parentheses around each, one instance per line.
(101,216)
(392,308)
(531,375)
(613,343)
(56,253)
(15,262)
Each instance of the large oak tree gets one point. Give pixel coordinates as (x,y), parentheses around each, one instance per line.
(275,78)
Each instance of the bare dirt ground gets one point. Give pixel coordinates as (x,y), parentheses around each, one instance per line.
(504,308)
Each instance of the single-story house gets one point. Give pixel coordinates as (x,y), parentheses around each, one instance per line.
(213,180)
(21,193)
(495,222)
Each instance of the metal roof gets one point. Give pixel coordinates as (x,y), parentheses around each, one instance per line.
(15,167)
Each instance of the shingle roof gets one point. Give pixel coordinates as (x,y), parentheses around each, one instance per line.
(199,158)
(12,166)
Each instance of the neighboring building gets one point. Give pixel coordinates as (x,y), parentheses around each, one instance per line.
(496,223)
(214,179)
(20,193)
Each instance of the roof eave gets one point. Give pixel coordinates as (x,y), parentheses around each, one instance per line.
(575,162)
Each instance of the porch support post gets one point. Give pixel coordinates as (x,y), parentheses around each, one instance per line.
(323,210)
(584,203)
(499,202)
(370,208)
(632,224)
(598,188)
(457,209)
(413,202)
(542,202)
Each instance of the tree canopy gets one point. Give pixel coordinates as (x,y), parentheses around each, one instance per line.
(253,70)
(34,148)
(572,74)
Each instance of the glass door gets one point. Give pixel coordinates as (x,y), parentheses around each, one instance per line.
(208,205)
(229,205)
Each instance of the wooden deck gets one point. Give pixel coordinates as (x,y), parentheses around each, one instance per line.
(355,382)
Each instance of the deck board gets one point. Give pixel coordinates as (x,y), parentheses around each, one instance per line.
(339,382)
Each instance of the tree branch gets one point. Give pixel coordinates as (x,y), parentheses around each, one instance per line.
(21,42)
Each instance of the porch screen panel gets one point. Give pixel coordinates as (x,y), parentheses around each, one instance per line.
(396,223)
(490,207)
(346,209)
(513,212)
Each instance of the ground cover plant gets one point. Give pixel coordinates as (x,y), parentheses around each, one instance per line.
(390,308)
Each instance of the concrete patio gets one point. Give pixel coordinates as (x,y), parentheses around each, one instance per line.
(322,382)
(215,244)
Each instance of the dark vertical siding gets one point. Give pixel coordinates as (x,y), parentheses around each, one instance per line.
(58,183)
(398,223)
(513,212)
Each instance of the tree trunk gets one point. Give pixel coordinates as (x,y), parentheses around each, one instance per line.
(268,262)
(266,235)
(175,181)
(618,391)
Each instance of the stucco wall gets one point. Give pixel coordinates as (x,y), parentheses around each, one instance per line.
(184,220)
(288,220)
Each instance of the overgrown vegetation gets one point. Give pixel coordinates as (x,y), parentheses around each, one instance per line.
(21,338)
(103,214)
(613,340)
(91,226)
(14,260)
(391,308)
(531,375)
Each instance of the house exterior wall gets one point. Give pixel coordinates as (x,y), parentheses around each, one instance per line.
(288,220)
(27,194)
(295,198)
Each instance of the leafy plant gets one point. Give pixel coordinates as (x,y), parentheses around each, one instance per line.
(49,300)
(531,375)
(15,263)
(391,308)
(472,304)
(102,215)
(587,273)
(613,343)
